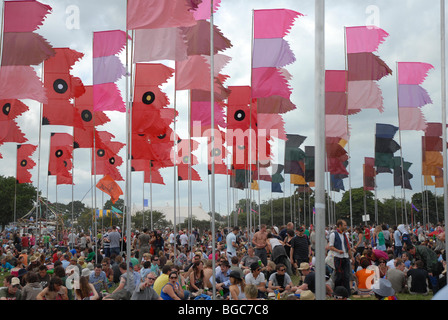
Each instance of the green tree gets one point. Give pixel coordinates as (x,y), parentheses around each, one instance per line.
(25,194)
(343,206)
(158,219)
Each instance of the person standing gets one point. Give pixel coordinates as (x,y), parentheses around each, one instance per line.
(259,242)
(232,243)
(339,244)
(143,243)
(114,238)
(106,242)
(300,248)
(398,246)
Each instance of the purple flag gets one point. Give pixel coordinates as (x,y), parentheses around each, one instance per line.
(410,95)
(274,52)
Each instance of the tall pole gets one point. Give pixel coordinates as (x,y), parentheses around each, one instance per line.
(319,124)
(443,54)
(212,103)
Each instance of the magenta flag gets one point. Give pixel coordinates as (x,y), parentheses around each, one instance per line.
(24,16)
(413,72)
(273,23)
(154,14)
(364,38)
(201,114)
(107,69)
(268,82)
(335,81)
(203,10)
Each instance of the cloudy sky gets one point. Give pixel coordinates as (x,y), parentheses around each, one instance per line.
(414,28)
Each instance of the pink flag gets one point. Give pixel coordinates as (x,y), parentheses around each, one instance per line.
(364,95)
(273,23)
(13,85)
(154,14)
(24,16)
(107,69)
(108,43)
(273,124)
(269,82)
(203,10)
(170,45)
(413,72)
(411,119)
(337,126)
(335,81)
(364,38)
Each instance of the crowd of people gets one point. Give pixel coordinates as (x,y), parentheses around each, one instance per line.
(378,261)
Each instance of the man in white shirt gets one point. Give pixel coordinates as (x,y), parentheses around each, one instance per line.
(183,238)
(231,243)
(256,277)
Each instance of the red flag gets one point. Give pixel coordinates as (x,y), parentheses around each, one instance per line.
(61,87)
(24,162)
(108,185)
(61,150)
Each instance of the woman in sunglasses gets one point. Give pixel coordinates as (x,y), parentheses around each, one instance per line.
(172,290)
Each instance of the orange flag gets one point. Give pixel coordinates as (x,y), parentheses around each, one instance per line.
(109,186)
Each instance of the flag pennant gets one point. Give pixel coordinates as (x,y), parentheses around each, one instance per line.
(61,86)
(24,162)
(107,160)
(107,69)
(202,10)
(61,155)
(197,38)
(411,96)
(166,48)
(23,48)
(108,185)
(154,14)
(364,67)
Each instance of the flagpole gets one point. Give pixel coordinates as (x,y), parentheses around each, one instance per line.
(189,163)
(403,192)
(212,102)
(320,146)
(127,213)
(348,142)
(150,191)
(443,84)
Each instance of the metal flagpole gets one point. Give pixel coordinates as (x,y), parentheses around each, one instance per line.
(212,103)
(443,54)
(319,120)
(403,192)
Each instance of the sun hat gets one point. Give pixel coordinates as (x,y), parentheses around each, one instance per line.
(15,281)
(304,266)
(276,229)
(85,272)
(383,288)
(307,295)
